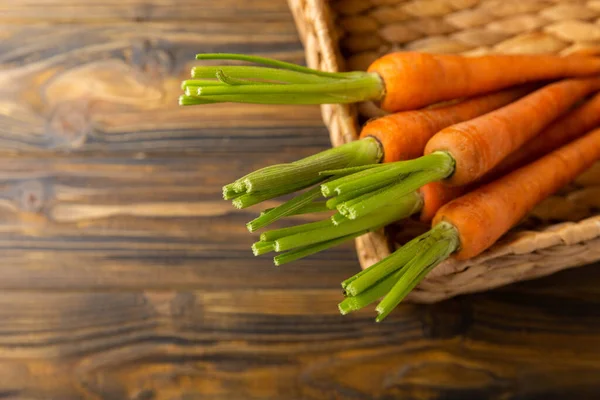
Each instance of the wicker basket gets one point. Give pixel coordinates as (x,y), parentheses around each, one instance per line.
(561,233)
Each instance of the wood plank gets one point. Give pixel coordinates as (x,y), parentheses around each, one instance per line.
(114,87)
(158,221)
(291,344)
(94,11)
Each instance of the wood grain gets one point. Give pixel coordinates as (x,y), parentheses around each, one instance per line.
(93,11)
(123,274)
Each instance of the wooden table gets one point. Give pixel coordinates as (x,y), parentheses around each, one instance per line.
(125,276)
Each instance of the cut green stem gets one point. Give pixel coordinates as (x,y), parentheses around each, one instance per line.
(374,293)
(329,189)
(229,193)
(250,199)
(303,252)
(191,98)
(185,100)
(360,152)
(260,248)
(360,206)
(310,208)
(199,82)
(286,66)
(255,73)
(226,79)
(348,171)
(363,192)
(442,241)
(347,91)
(338,218)
(284,209)
(438,161)
(298,84)
(402,209)
(390,183)
(378,271)
(292,230)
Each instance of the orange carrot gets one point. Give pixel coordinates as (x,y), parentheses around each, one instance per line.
(403,135)
(468,225)
(478,145)
(482,216)
(436,195)
(413,80)
(562,131)
(399,81)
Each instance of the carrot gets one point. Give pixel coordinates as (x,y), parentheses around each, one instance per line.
(431,196)
(392,137)
(470,224)
(435,195)
(482,216)
(562,131)
(415,80)
(478,145)
(403,135)
(462,153)
(399,81)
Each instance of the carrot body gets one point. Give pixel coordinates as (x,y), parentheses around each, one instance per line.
(485,214)
(413,80)
(478,145)
(435,195)
(562,131)
(403,135)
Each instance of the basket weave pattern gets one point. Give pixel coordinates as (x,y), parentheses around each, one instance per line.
(561,233)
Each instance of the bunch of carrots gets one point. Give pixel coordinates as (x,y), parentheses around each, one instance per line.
(517,129)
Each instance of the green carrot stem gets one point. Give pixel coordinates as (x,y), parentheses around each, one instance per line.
(378,271)
(229,193)
(274,63)
(314,207)
(438,161)
(444,241)
(260,248)
(226,79)
(191,98)
(351,154)
(352,89)
(313,95)
(402,209)
(297,254)
(199,82)
(185,100)
(250,199)
(284,209)
(293,80)
(361,197)
(330,188)
(348,171)
(337,219)
(292,230)
(360,207)
(290,83)
(363,193)
(332,203)
(374,293)
(255,73)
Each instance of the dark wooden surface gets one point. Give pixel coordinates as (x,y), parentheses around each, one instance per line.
(123,275)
